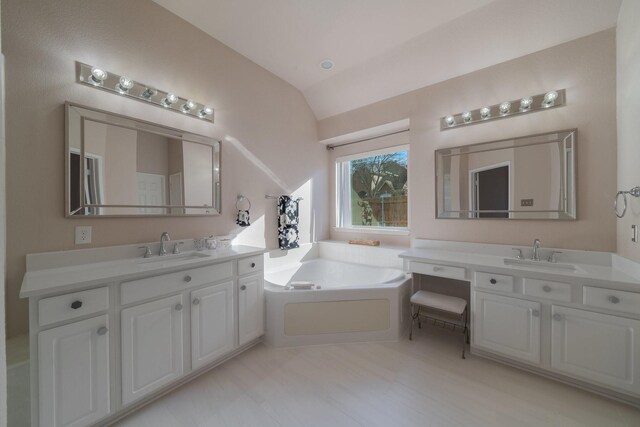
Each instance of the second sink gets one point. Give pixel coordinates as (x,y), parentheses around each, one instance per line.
(542,264)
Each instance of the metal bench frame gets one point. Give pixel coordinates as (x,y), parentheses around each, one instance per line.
(462,326)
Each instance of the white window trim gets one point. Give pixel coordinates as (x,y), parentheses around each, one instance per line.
(339,211)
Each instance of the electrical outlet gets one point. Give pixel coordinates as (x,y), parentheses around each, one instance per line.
(83,235)
(526,202)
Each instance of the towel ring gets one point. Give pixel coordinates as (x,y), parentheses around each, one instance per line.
(635,192)
(241,199)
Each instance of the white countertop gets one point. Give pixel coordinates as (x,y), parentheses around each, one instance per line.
(45,281)
(588,274)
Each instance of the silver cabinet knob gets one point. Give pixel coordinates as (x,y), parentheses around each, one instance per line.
(535,313)
(187,278)
(546,288)
(103,330)
(243,287)
(437,268)
(196,301)
(253,265)
(178,307)
(613,299)
(558,316)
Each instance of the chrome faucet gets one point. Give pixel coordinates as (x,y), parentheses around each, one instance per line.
(164,237)
(536,246)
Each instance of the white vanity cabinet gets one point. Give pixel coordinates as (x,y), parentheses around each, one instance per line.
(151,347)
(508,326)
(106,346)
(596,347)
(73,370)
(250,307)
(212,323)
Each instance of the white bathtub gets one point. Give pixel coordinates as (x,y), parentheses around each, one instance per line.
(354,303)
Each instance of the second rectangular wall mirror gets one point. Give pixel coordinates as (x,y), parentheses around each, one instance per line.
(530,177)
(119,166)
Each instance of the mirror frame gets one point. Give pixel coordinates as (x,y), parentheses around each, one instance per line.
(521,141)
(106,117)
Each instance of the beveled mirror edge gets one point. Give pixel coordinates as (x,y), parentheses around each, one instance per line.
(569,217)
(68,105)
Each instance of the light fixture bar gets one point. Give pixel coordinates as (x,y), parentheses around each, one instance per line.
(524,105)
(99,78)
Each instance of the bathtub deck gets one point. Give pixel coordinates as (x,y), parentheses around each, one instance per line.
(418,383)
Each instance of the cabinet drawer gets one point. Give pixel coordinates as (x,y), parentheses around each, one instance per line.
(611,299)
(438,270)
(251,264)
(70,306)
(151,287)
(545,289)
(496,282)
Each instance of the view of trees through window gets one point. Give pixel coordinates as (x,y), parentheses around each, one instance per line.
(379,190)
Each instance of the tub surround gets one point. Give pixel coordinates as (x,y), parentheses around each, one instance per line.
(581,327)
(94,326)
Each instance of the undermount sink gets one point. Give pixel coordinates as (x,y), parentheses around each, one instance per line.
(542,264)
(169,260)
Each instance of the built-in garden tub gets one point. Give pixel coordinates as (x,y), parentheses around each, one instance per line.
(347,303)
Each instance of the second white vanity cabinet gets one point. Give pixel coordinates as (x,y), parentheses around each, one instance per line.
(103,347)
(151,347)
(505,325)
(212,323)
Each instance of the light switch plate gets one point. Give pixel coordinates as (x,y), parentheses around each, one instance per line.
(83,234)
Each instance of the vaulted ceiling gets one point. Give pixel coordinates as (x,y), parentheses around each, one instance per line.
(383,48)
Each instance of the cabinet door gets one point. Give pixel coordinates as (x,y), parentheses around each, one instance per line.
(250,308)
(152,346)
(509,326)
(73,373)
(596,347)
(212,321)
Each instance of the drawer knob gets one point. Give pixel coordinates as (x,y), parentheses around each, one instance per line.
(535,313)
(437,268)
(253,265)
(196,301)
(493,281)
(546,288)
(103,330)
(178,307)
(187,278)
(243,287)
(614,299)
(76,305)
(557,317)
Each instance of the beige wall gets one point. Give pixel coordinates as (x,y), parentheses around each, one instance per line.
(628,50)
(272,145)
(585,67)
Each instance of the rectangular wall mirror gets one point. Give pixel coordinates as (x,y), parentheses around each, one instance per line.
(531,177)
(119,166)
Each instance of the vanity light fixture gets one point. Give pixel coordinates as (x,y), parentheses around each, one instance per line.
(124,84)
(524,105)
(98,75)
(99,78)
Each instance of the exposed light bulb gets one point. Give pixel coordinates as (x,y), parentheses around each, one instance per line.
(450,121)
(171,98)
(550,99)
(124,84)
(485,113)
(466,116)
(505,107)
(98,75)
(188,106)
(206,111)
(148,93)
(525,103)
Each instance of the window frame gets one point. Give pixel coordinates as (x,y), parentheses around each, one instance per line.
(340,215)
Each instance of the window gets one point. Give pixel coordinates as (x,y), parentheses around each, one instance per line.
(372,190)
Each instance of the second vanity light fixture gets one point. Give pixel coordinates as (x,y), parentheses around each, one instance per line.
(99,78)
(528,104)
